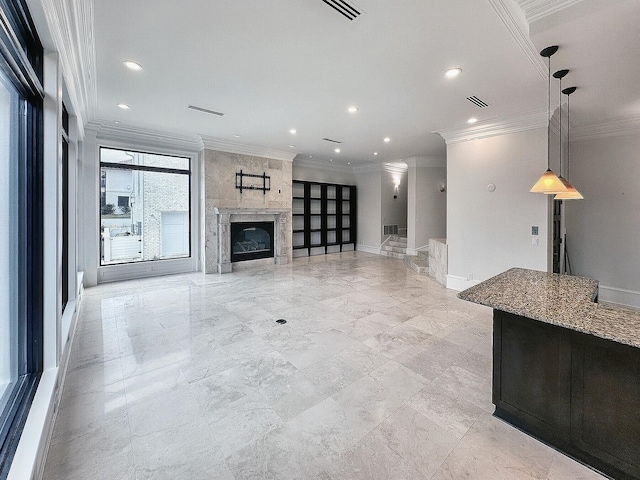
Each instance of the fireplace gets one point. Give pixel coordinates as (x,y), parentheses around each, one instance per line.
(251,240)
(275,222)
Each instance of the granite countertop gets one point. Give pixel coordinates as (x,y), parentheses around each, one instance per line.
(563,300)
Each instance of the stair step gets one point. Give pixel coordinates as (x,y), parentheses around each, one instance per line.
(387,253)
(418,263)
(395,243)
(390,248)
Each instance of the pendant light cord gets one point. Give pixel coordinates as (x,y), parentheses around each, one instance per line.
(560,142)
(549,115)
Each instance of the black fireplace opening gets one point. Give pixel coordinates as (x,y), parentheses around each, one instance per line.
(251,240)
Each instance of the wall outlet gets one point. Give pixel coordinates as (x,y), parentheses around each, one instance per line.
(470,276)
(535,241)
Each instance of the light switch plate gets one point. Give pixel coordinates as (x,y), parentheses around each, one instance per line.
(534,230)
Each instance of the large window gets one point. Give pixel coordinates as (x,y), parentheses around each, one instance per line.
(144,206)
(21,252)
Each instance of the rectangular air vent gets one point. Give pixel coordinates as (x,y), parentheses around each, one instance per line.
(477,102)
(205,110)
(331,140)
(390,229)
(343,8)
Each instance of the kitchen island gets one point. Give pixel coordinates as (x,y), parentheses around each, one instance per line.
(565,368)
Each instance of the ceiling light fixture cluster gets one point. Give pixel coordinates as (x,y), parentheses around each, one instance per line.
(549,183)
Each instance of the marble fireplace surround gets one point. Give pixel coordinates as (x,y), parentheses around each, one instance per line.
(226,216)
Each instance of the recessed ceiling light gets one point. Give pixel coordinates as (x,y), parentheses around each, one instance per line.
(472,120)
(348,163)
(117,122)
(331,159)
(453,72)
(337,150)
(310,156)
(293,131)
(292,146)
(387,140)
(235,135)
(132,65)
(352,109)
(124,106)
(375,153)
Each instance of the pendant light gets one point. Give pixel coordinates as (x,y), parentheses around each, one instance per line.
(549,182)
(572,194)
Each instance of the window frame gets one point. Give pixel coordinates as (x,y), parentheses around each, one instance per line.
(21,60)
(144,168)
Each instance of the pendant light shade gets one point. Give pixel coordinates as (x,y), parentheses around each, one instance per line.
(572,193)
(549,183)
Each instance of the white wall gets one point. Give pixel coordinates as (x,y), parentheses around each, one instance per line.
(603,230)
(369,210)
(393,211)
(490,232)
(427,205)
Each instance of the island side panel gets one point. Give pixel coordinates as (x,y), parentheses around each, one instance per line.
(532,376)
(605,404)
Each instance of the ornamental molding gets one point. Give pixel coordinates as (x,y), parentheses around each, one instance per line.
(143,138)
(496,127)
(212,143)
(516,24)
(607,128)
(318,165)
(71,25)
(423,161)
(535,10)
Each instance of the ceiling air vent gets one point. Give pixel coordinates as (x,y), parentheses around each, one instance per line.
(205,110)
(331,140)
(477,102)
(344,8)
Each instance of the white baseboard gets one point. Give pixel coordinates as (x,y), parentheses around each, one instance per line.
(368,248)
(619,296)
(128,271)
(31,454)
(460,283)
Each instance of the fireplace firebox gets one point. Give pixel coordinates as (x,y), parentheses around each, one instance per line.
(251,240)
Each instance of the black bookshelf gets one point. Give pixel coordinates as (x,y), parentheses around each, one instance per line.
(324,215)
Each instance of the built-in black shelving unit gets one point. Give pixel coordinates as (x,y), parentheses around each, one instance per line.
(324,215)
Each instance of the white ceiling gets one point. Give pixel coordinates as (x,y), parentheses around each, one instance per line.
(273,65)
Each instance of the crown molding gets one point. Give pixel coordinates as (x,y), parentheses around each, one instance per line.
(426,162)
(607,128)
(302,162)
(212,143)
(150,139)
(518,27)
(395,167)
(535,10)
(500,126)
(70,24)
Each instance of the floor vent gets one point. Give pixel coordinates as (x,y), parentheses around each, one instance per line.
(343,8)
(390,229)
(477,102)
(331,140)
(205,110)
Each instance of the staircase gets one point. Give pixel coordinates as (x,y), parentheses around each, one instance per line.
(396,246)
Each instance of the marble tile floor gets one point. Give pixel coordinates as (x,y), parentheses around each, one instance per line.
(379,373)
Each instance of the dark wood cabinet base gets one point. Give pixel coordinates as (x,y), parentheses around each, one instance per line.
(575,392)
